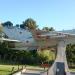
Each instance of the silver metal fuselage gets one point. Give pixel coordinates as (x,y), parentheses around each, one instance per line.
(37,39)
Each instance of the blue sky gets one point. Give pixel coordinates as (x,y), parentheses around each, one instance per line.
(59,14)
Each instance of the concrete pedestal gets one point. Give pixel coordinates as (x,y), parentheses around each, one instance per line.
(60,66)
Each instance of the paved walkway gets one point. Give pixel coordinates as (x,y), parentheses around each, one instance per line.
(32,72)
(29,72)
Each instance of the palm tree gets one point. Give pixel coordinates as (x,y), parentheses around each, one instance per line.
(48,29)
(8,23)
(30,23)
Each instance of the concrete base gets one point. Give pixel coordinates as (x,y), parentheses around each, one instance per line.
(61,58)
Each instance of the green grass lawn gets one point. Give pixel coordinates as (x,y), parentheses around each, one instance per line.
(7,69)
(72,70)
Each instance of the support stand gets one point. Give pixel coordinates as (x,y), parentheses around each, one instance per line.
(60,66)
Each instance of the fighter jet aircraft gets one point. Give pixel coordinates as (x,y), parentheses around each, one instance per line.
(24,39)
